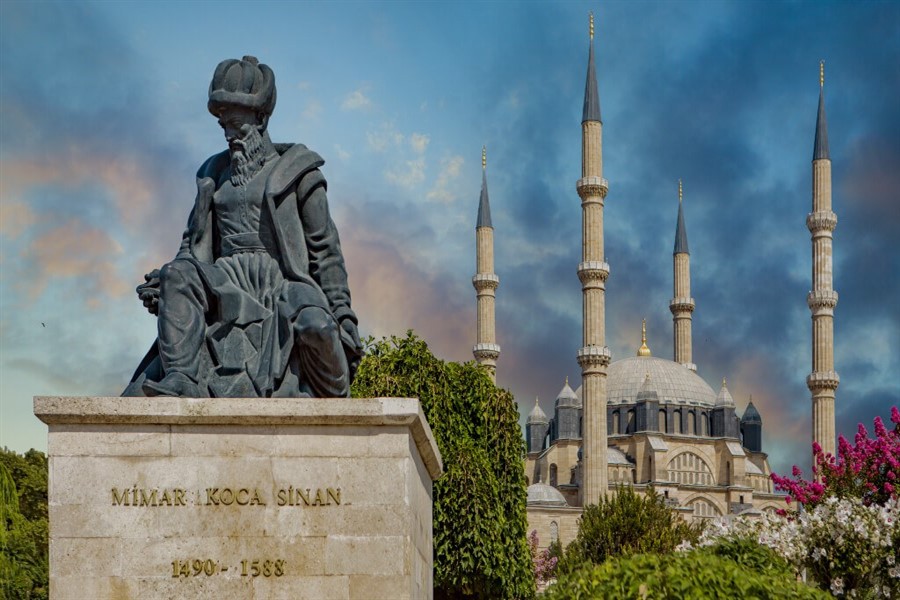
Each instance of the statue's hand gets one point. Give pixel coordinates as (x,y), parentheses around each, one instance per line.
(148,292)
(352,346)
(350,337)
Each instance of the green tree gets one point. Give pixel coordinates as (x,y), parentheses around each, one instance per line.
(627,523)
(24,533)
(480,527)
(696,575)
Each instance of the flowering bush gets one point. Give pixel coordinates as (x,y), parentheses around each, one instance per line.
(844,546)
(544,562)
(869,469)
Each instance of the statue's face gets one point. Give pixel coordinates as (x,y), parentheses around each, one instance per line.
(236,122)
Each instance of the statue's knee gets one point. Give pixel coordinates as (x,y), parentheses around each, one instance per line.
(315,326)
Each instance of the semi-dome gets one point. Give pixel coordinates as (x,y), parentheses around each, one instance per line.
(614,456)
(541,494)
(672,382)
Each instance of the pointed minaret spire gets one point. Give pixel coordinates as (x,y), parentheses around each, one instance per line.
(682,305)
(821,222)
(591,110)
(593,356)
(820,148)
(486,349)
(484,204)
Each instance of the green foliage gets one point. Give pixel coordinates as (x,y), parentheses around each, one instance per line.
(626,523)
(24,533)
(480,528)
(696,575)
(751,555)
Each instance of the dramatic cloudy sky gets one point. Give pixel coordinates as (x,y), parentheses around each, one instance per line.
(104,121)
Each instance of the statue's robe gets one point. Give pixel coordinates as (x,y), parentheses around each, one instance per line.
(250,345)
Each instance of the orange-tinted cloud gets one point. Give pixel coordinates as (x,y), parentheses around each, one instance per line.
(74,250)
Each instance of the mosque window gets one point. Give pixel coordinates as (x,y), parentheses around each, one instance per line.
(704,509)
(630,427)
(662,421)
(690,469)
(553,475)
(692,428)
(554,532)
(615,422)
(678,422)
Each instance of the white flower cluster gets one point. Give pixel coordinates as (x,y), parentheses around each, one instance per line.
(844,546)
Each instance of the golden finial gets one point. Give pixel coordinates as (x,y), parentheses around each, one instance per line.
(644,350)
(821,73)
(592,25)
(679,191)
(484,157)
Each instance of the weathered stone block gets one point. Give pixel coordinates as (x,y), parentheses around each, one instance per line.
(245,498)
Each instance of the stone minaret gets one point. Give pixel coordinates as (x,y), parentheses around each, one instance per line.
(823,381)
(682,305)
(593,356)
(486,350)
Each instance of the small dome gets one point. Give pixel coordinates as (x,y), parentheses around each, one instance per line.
(751,415)
(537,415)
(752,469)
(567,396)
(614,456)
(541,494)
(724,398)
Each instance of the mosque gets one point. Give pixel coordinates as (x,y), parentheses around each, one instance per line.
(646,420)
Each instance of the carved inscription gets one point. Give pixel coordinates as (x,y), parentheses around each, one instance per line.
(209,567)
(224,496)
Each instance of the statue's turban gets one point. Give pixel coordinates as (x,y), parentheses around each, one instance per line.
(242,82)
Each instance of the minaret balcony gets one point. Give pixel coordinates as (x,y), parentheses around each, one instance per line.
(677,305)
(823,220)
(486,351)
(591,187)
(691,366)
(593,356)
(593,271)
(822,301)
(485,281)
(823,380)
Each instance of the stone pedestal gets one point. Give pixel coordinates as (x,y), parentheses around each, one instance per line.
(239,497)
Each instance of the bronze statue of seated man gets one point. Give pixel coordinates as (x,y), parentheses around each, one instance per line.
(255,303)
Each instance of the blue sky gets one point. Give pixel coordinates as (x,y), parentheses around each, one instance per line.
(103,122)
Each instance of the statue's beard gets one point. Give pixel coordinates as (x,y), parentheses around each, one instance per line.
(248,156)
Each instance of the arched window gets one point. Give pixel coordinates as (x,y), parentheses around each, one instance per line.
(629,428)
(615,422)
(662,421)
(704,509)
(553,474)
(692,423)
(690,469)
(678,422)
(554,532)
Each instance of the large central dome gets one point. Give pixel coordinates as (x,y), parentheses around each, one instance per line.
(673,383)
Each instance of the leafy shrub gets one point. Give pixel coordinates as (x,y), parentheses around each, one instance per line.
(627,523)
(480,527)
(24,533)
(694,575)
